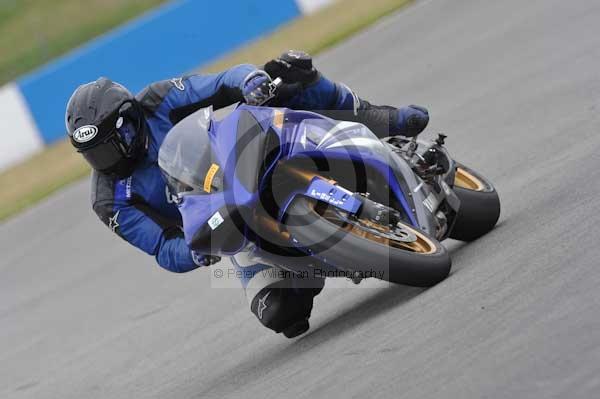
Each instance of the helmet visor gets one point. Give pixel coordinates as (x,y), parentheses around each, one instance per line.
(103,156)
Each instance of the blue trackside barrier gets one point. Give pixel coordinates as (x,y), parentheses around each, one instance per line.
(164,43)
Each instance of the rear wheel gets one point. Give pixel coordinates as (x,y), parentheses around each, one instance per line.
(479,205)
(399,254)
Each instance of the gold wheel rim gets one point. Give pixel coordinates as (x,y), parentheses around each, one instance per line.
(421,245)
(464,179)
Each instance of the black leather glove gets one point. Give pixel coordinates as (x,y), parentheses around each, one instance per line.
(293,67)
(296,70)
(205,260)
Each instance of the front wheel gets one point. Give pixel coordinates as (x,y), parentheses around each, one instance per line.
(479,205)
(402,254)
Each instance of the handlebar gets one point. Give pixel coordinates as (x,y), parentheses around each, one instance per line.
(273,86)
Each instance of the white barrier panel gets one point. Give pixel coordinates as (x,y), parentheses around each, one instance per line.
(310,6)
(20,136)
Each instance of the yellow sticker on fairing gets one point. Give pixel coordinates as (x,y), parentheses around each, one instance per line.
(278,118)
(210,176)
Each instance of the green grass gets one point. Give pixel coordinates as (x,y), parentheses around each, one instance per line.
(59,165)
(33,32)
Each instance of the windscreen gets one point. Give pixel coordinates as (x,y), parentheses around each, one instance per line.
(338,136)
(186,157)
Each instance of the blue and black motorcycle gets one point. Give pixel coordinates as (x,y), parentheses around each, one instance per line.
(302,191)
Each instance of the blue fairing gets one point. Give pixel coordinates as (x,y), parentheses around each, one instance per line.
(301,133)
(312,134)
(197,210)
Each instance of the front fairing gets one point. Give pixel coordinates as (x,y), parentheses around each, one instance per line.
(247,145)
(215,220)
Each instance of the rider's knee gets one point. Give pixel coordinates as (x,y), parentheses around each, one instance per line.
(277,298)
(280,306)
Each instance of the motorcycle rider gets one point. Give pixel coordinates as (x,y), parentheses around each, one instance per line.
(119,135)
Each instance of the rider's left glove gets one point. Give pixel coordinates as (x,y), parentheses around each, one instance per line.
(204,260)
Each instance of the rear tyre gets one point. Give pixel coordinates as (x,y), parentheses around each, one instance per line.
(365,249)
(479,205)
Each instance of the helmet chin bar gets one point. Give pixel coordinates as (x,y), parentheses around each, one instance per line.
(138,149)
(123,169)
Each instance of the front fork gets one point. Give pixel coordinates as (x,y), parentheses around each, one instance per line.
(431,162)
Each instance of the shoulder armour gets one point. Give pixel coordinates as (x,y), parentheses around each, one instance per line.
(152,96)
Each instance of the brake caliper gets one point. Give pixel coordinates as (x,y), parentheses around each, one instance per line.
(384,220)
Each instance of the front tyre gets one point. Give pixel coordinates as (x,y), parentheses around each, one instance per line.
(479,205)
(403,255)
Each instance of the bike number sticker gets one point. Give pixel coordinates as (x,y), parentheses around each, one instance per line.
(215,220)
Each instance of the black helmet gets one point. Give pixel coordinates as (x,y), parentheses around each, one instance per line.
(95,115)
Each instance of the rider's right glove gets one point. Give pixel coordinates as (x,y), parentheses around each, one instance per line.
(204,260)
(409,121)
(257,89)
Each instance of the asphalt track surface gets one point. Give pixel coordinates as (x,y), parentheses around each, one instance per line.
(516,85)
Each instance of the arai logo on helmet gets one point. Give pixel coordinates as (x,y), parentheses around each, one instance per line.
(85,133)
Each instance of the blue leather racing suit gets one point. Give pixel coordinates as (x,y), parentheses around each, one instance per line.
(139,208)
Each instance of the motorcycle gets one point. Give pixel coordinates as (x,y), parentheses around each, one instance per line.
(306,192)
